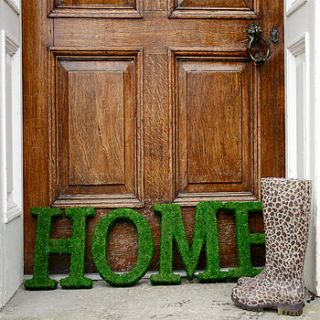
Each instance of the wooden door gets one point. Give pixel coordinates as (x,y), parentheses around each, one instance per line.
(128,103)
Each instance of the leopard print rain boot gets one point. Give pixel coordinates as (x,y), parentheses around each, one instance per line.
(249,280)
(286,210)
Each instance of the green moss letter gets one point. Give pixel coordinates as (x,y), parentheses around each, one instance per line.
(145,242)
(205,236)
(75,246)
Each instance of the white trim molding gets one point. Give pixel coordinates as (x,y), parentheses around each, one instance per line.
(302,45)
(298,128)
(293,5)
(315,76)
(14,5)
(11,131)
(11,184)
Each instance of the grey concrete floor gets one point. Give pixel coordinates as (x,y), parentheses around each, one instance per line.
(189,301)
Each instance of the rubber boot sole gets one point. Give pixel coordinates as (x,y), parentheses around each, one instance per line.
(283,309)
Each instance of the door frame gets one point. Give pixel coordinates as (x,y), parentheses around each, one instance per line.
(11,181)
(302,47)
(310,44)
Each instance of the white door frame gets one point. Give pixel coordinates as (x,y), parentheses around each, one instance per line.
(11,203)
(302,65)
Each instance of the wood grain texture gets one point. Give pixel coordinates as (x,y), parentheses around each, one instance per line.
(124,88)
(98,3)
(155,33)
(203,9)
(36,116)
(211,109)
(157,129)
(96,129)
(226,4)
(271,98)
(155,5)
(216,129)
(95,8)
(96,116)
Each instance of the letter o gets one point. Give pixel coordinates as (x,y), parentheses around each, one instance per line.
(145,251)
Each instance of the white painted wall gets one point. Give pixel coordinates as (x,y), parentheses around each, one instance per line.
(302,47)
(11,219)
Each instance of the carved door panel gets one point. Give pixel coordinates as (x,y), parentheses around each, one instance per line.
(128,103)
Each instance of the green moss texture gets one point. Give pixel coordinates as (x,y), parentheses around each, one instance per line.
(205,237)
(74,246)
(145,243)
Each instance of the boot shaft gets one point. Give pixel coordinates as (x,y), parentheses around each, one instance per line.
(286,210)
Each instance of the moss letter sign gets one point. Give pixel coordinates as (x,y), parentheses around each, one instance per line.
(205,238)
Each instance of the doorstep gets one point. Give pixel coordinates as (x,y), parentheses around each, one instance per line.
(188,301)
